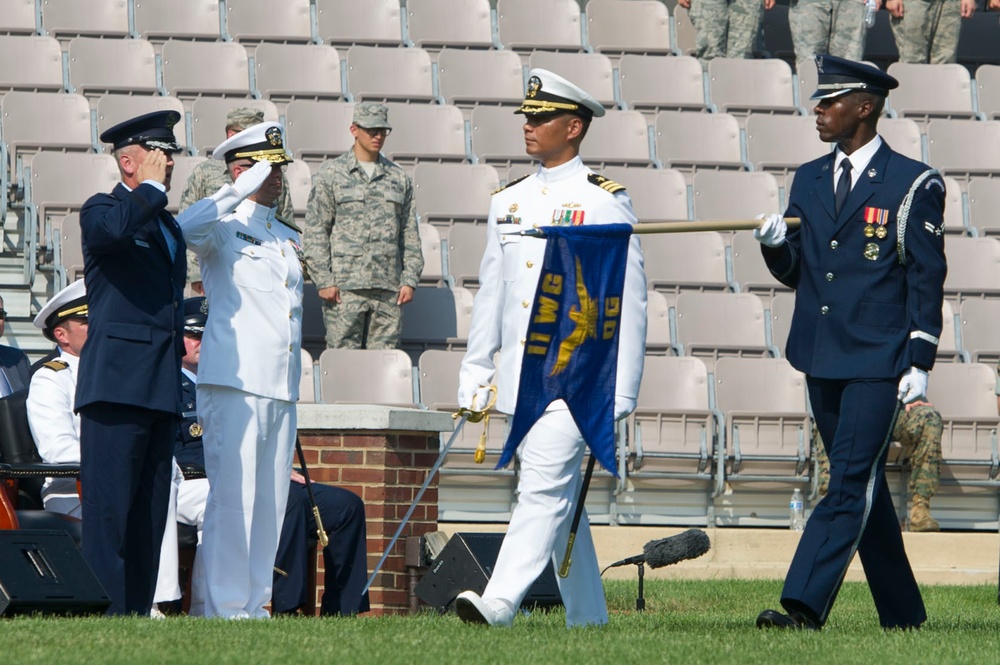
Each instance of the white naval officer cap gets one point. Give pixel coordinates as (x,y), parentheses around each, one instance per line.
(262,142)
(548,92)
(70,303)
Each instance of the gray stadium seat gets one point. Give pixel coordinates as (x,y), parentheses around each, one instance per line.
(628,26)
(552,25)
(903,136)
(467,78)
(186,75)
(973,266)
(749,269)
(716,325)
(112,109)
(183,19)
(782,308)
(389,74)
(125,66)
(767,424)
(620,137)
(783,142)
(448,193)
(257,20)
(684,36)
(62,182)
(430,247)
(18,17)
(208,119)
(980,323)
(183,166)
(591,71)
(678,262)
(43,121)
(741,86)
(954,209)
(498,135)
(104,18)
(68,251)
(652,83)
(318,130)
(30,63)
(948,344)
(964,147)
(658,322)
(658,195)
(378,376)
(307,388)
(984,205)
(438,318)
(466,243)
(688,141)
(345,22)
(722,195)
(425,132)
(437,23)
(988,85)
(931,91)
(299,179)
(297,71)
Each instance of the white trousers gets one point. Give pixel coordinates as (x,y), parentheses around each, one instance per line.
(551,455)
(248,443)
(168,585)
(192,496)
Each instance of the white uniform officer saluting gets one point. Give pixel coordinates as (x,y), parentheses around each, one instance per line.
(563,191)
(249,376)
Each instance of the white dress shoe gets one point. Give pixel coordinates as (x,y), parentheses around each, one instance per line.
(471,608)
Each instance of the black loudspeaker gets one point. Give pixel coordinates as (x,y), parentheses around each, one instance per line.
(44,572)
(466,563)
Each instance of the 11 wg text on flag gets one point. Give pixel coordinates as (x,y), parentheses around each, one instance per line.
(571,348)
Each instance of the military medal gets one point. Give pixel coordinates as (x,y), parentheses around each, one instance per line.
(871,251)
(869,230)
(881,232)
(875,224)
(195,430)
(567,217)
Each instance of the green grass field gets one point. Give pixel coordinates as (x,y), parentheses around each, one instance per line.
(684,622)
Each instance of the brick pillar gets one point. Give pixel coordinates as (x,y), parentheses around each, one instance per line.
(386,469)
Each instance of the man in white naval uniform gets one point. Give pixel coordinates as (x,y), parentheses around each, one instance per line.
(563,191)
(55,426)
(248,380)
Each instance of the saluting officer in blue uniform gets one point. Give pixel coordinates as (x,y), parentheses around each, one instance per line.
(868,267)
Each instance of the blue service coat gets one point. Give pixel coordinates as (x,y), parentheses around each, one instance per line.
(858,317)
(134,292)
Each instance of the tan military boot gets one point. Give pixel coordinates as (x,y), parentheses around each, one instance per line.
(920,516)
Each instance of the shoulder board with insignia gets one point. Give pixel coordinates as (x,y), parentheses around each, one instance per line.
(609,186)
(56,365)
(509,184)
(289,224)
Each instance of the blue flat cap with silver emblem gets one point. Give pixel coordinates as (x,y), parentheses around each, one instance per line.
(152,130)
(838,76)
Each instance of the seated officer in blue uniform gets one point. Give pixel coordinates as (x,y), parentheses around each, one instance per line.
(867,264)
(345,559)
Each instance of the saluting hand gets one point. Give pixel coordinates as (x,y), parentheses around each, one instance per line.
(153,167)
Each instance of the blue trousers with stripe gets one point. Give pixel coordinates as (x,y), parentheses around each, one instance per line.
(857,514)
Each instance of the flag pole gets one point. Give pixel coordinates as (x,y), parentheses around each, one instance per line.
(688,226)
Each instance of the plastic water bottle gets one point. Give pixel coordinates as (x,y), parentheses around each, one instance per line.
(871,6)
(796,521)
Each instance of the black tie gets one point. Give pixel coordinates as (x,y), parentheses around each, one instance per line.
(843,185)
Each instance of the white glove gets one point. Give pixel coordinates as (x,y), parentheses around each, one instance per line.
(623,406)
(474,398)
(913,386)
(772,231)
(230,196)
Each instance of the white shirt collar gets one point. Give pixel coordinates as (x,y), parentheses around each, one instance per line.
(191,375)
(561,172)
(859,158)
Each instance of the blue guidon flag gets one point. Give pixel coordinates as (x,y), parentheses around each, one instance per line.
(571,350)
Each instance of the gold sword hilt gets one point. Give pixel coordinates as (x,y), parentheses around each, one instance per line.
(567,560)
(324,540)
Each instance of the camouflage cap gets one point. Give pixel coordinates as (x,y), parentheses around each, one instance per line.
(372,116)
(243,117)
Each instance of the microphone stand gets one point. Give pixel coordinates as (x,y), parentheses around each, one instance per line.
(640,602)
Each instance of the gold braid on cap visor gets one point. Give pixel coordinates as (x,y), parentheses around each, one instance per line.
(278,156)
(544,106)
(79,310)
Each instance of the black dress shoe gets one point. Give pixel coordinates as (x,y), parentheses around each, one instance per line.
(793,620)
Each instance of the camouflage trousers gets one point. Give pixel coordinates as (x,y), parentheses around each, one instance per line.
(726,28)
(364,319)
(836,27)
(919,432)
(928,31)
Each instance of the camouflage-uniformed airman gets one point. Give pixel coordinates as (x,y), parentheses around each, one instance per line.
(927,32)
(835,27)
(361,239)
(210,175)
(918,430)
(725,28)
